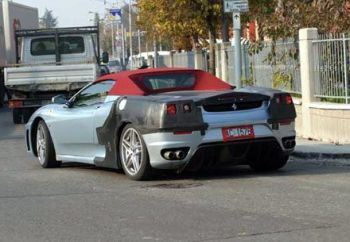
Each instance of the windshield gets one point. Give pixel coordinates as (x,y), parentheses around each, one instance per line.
(66,45)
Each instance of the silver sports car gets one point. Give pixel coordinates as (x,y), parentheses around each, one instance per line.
(147,120)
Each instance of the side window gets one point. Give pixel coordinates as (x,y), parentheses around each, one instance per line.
(71,45)
(94,94)
(43,46)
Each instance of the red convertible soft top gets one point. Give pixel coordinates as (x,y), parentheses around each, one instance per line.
(128,82)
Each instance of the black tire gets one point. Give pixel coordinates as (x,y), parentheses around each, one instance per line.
(145,170)
(49,158)
(268,159)
(27,113)
(17,116)
(271,163)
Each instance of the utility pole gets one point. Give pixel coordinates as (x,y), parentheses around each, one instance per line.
(237,44)
(139,41)
(236,7)
(155,52)
(224,23)
(117,38)
(123,44)
(130,32)
(113,38)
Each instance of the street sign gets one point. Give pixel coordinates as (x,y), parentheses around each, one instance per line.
(237,20)
(236,6)
(116,11)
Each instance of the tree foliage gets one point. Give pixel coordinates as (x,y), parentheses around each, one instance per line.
(191,20)
(282,18)
(48,20)
(185,21)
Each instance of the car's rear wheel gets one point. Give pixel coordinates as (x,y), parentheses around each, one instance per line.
(267,158)
(44,147)
(271,163)
(133,154)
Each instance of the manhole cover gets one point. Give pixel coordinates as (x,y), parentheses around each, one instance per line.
(174,185)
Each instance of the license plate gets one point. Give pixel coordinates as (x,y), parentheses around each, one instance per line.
(238,133)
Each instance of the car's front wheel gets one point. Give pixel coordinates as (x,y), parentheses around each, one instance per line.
(44,147)
(133,154)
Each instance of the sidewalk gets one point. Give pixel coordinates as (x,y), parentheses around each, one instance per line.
(311,149)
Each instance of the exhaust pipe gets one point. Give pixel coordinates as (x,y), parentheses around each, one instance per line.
(169,155)
(180,155)
(289,144)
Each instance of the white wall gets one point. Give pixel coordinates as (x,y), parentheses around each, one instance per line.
(28,18)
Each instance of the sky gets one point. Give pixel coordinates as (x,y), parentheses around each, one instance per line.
(71,13)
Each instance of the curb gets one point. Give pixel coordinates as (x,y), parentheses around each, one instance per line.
(320,156)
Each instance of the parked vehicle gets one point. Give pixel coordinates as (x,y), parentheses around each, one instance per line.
(51,62)
(114,66)
(12,16)
(164,119)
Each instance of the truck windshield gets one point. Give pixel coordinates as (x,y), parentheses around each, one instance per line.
(66,45)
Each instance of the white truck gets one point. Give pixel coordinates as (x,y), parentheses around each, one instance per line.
(51,62)
(42,63)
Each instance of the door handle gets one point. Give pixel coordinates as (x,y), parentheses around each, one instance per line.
(97,107)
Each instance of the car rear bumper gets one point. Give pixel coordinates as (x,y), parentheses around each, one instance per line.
(158,143)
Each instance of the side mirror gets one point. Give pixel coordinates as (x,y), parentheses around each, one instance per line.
(105,57)
(59,99)
(69,104)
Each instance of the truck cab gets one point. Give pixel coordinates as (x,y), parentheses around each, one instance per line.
(51,62)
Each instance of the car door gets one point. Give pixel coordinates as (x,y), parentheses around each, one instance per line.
(74,126)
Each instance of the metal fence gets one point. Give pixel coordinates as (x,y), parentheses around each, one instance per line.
(332,67)
(273,66)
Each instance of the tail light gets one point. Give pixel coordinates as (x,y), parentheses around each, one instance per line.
(284,99)
(289,100)
(171,109)
(15,103)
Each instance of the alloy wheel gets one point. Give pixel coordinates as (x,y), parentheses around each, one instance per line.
(41,144)
(131,151)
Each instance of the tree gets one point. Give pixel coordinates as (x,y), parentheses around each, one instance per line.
(189,23)
(282,19)
(48,20)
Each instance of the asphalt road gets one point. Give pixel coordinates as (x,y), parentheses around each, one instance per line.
(306,201)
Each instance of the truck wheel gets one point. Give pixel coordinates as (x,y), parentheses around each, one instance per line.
(44,147)
(27,113)
(17,116)
(133,154)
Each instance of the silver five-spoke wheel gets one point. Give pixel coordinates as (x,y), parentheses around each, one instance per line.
(131,148)
(133,154)
(44,147)
(41,144)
